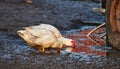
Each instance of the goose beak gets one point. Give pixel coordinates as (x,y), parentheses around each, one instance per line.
(74,43)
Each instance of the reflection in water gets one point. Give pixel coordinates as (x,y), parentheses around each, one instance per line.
(88,50)
(83,43)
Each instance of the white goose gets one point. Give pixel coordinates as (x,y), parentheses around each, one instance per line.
(45,36)
(65,41)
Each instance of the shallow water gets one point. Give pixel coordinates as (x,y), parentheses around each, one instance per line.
(85,45)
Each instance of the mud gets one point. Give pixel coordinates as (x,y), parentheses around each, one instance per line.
(16,54)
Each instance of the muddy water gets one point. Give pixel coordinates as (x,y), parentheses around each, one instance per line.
(84,44)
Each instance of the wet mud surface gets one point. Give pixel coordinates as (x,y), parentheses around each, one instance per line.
(16,54)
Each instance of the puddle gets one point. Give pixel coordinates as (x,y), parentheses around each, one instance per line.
(84,44)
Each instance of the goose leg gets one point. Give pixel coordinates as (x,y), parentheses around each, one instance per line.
(59,49)
(42,49)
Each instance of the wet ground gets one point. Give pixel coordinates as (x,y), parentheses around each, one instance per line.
(66,15)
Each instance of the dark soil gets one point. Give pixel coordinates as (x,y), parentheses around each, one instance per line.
(16,54)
